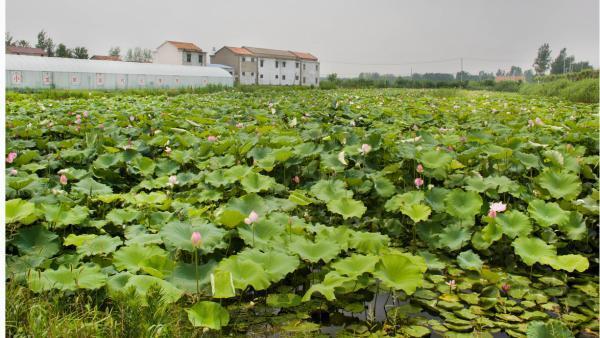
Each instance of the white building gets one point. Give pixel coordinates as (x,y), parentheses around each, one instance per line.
(252,65)
(179,53)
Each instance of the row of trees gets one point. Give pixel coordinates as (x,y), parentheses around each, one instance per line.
(562,63)
(46,43)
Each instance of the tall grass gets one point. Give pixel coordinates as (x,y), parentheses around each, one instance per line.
(576,91)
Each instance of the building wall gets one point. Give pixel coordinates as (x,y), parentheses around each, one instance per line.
(268,74)
(248,69)
(194,58)
(309,73)
(167,53)
(64,80)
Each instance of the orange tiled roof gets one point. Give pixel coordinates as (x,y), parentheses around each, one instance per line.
(25,50)
(239,50)
(187,46)
(305,56)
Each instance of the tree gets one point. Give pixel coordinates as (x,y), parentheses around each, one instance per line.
(515,71)
(80,53)
(332,77)
(62,51)
(8,40)
(23,43)
(45,43)
(558,66)
(139,55)
(115,51)
(579,66)
(500,72)
(528,75)
(542,61)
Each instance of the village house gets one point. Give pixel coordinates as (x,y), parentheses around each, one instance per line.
(252,65)
(180,53)
(25,51)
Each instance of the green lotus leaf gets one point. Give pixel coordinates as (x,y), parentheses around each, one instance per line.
(533,250)
(100,245)
(575,228)
(248,203)
(528,160)
(177,235)
(432,261)
(236,173)
(36,241)
(416,331)
(469,260)
(397,202)
(229,217)
(254,182)
(17,210)
(327,287)
(142,283)
(144,165)
(347,207)
(383,186)
(67,278)
(130,257)
(435,198)
(106,161)
(60,215)
(551,329)
(355,265)
(514,224)
(155,197)
(416,212)
(497,152)
(183,275)
(157,265)
(560,184)
(222,284)
(276,264)
(78,240)
(283,300)
(463,204)
(90,187)
(567,262)
(368,242)
(491,232)
(299,197)
(327,190)
(547,214)
(208,314)
(314,252)
(399,272)
(454,237)
(217,179)
(434,159)
(245,273)
(123,216)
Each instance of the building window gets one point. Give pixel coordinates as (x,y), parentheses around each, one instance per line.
(297,77)
(261,63)
(283,64)
(251,59)
(189,57)
(252,74)
(243,59)
(276,64)
(283,77)
(304,79)
(317,67)
(243,73)
(304,66)
(317,81)
(277,76)
(261,76)
(297,65)
(200,58)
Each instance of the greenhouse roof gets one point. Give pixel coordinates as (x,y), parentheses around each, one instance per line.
(55,64)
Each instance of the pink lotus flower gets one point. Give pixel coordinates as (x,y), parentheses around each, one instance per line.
(101,126)
(253,217)
(505,287)
(63,179)
(168,150)
(77,121)
(419,168)
(240,125)
(365,149)
(419,182)
(13,172)
(196,239)
(78,117)
(11,157)
(85,114)
(296,179)
(539,121)
(496,208)
(212,138)
(530,123)
(172,180)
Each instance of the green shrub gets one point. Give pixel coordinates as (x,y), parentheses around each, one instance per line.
(576,91)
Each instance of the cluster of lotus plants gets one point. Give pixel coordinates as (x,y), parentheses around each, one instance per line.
(309,210)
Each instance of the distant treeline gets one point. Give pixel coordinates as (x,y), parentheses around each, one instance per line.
(575,76)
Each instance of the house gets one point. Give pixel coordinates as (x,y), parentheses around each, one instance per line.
(263,66)
(106,58)
(510,78)
(25,51)
(180,53)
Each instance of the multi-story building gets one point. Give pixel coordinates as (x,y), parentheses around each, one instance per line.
(179,53)
(252,65)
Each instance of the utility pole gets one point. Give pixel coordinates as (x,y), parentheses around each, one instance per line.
(461,71)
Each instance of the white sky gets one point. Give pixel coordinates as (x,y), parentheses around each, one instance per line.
(348,36)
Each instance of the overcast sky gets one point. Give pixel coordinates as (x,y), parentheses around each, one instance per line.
(348,36)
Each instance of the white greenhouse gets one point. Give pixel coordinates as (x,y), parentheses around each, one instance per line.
(36,72)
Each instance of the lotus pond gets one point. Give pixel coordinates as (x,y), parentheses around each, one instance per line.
(307,212)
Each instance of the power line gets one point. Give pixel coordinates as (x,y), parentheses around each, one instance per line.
(410,63)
